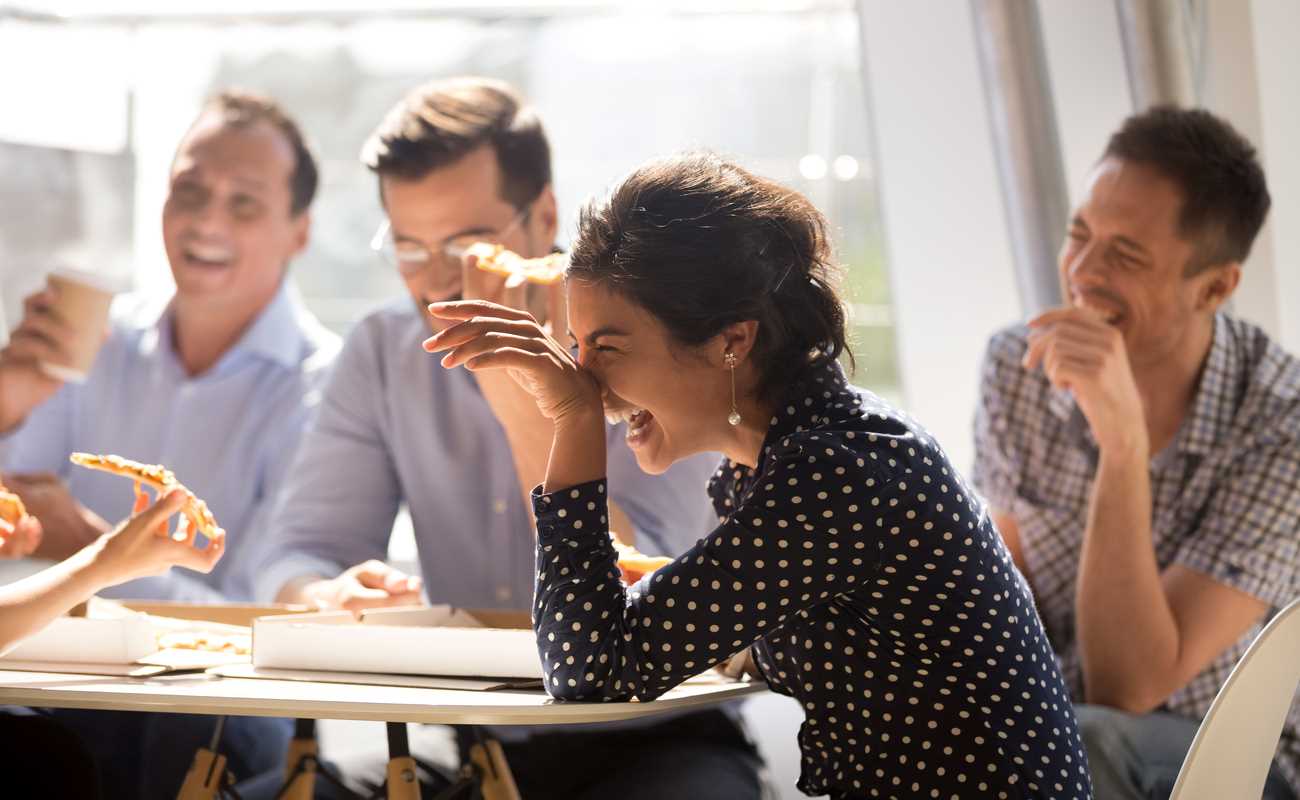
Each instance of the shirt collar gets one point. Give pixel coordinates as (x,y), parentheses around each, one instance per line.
(275,335)
(801,409)
(1211,412)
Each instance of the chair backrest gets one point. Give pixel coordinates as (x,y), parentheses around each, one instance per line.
(1234,747)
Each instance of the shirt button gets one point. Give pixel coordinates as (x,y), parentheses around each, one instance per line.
(499,506)
(504,593)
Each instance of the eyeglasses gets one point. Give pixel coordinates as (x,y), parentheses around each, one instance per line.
(412,258)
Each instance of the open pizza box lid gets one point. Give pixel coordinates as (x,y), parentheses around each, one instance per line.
(440,641)
(140,638)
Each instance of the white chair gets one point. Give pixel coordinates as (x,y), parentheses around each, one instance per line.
(1233,749)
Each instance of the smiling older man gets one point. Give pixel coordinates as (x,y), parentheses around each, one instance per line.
(218,386)
(175,386)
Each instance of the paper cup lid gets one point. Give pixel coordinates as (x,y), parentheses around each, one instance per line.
(62,373)
(105,282)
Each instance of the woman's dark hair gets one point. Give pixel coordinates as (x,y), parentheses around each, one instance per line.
(702,243)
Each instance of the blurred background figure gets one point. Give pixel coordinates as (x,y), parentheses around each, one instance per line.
(905,155)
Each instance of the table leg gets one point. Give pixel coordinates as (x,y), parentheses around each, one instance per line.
(207,771)
(403,782)
(498,782)
(300,763)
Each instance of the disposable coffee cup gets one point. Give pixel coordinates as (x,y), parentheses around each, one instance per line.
(82,300)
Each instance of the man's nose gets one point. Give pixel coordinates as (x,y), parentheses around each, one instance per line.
(1086,265)
(209,218)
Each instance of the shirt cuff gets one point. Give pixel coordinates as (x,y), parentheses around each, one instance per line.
(275,576)
(574,511)
(1272,589)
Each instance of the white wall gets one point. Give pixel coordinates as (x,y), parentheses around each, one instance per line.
(1276,26)
(1249,78)
(1231,82)
(948,250)
(1089,84)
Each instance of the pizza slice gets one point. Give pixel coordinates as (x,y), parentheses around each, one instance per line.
(11,506)
(195,512)
(495,258)
(240,644)
(635,565)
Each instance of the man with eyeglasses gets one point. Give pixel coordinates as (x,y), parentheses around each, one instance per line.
(461,161)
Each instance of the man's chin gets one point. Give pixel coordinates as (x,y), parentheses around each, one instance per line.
(437,324)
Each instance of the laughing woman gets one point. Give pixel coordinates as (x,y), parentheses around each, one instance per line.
(849,553)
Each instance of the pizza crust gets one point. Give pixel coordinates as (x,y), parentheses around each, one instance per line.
(494,258)
(635,565)
(162,480)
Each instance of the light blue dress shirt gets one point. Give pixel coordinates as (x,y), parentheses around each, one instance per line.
(228,434)
(396,427)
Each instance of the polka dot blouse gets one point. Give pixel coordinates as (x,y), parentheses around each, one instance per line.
(873,588)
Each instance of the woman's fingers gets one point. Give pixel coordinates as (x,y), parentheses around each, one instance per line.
(157,514)
(465,331)
(202,560)
(488,342)
(513,358)
(467,309)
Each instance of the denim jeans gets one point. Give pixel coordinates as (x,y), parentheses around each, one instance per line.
(144,756)
(1138,756)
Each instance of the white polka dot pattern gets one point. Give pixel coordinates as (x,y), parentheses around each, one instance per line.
(873,588)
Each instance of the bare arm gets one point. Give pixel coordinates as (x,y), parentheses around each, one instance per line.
(529,433)
(1174,623)
(1143,633)
(30,604)
(134,549)
(68,525)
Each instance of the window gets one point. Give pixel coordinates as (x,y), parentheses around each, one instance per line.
(781,91)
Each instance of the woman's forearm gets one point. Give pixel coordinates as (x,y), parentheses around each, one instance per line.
(30,604)
(577,451)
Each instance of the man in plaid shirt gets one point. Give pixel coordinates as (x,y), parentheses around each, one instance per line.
(1140,450)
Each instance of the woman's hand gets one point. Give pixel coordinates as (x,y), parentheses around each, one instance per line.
(140,545)
(491,336)
(19,539)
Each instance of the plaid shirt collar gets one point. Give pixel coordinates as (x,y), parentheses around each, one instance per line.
(1211,413)
(1212,410)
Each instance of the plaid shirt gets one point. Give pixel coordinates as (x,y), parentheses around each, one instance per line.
(1225,492)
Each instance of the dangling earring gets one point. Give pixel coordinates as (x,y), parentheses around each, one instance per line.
(734,416)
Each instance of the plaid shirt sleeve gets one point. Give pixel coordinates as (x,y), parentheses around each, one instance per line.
(997,463)
(1249,536)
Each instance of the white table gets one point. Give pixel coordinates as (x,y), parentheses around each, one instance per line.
(208,694)
(203,693)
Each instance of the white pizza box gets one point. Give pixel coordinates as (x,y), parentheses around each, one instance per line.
(78,640)
(420,640)
(103,636)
